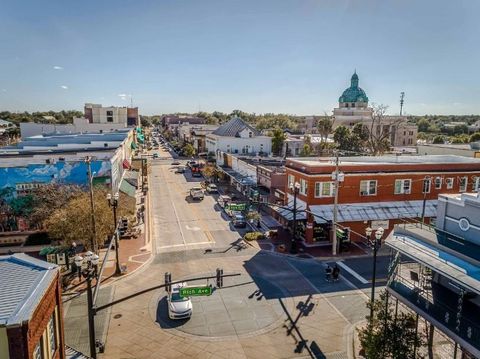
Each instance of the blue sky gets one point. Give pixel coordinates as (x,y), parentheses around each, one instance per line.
(292,56)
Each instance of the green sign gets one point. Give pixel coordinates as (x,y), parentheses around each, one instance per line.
(236,206)
(195,291)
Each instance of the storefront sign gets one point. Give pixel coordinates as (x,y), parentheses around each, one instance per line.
(379,224)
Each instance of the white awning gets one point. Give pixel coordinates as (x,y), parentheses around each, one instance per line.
(287,211)
(374,211)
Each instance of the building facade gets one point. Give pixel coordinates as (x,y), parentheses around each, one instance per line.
(31,318)
(434,271)
(96,113)
(353,108)
(374,191)
(237,136)
(195,135)
(466,150)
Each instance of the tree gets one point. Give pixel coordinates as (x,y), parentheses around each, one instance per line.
(423,125)
(438,139)
(72,222)
(475,137)
(278,137)
(380,130)
(48,198)
(306,150)
(325,127)
(389,334)
(188,150)
(210,171)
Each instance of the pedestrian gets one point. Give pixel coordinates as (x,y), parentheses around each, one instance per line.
(335,272)
(258,224)
(328,273)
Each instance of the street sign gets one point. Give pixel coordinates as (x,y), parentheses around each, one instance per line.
(236,206)
(195,291)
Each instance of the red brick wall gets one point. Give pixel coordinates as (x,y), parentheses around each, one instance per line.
(22,341)
(349,190)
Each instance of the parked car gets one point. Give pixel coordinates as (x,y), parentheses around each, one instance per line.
(212,188)
(180,170)
(179,307)
(175,163)
(196,193)
(223,200)
(239,220)
(155,155)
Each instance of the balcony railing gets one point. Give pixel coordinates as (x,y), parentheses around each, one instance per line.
(438,307)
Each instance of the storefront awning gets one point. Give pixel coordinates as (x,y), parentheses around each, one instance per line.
(287,210)
(238,177)
(375,211)
(133,145)
(126,164)
(127,188)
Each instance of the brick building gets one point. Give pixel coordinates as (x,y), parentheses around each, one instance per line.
(374,191)
(31,319)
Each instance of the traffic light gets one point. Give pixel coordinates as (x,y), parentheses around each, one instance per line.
(123,226)
(168,280)
(219,278)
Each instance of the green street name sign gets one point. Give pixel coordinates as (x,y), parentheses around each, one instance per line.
(236,206)
(195,291)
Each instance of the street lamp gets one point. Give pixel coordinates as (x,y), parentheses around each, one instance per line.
(87,268)
(294,188)
(113,202)
(375,245)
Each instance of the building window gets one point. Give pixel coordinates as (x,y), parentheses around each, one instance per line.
(303,187)
(403,186)
(291,181)
(368,188)
(476,184)
(38,351)
(324,189)
(52,334)
(438,182)
(427,184)
(463,184)
(449,182)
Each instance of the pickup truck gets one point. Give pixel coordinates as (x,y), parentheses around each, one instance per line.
(196,193)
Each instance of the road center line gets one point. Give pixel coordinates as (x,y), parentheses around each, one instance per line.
(352,272)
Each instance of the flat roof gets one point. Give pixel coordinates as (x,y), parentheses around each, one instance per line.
(388,160)
(24,281)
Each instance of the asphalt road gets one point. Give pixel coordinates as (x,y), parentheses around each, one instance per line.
(178,222)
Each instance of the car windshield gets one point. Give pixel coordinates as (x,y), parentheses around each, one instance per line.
(177,298)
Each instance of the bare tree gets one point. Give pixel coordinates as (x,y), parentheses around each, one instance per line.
(380,129)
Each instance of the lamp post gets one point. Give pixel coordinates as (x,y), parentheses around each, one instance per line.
(113,203)
(294,188)
(375,244)
(87,268)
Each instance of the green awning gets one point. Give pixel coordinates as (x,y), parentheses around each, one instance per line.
(133,146)
(127,188)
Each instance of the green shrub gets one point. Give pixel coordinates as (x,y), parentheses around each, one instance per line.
(253,236)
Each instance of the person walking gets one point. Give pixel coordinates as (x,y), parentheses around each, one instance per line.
(328,273)
(335,272)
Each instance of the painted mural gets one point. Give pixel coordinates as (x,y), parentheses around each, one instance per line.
(59,172)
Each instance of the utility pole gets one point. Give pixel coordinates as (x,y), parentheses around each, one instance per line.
(335,207)
(402,96)
(93,238)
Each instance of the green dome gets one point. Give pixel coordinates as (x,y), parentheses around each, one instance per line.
(353,93)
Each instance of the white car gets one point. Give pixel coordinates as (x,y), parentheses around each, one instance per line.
(179,307)
(211,188)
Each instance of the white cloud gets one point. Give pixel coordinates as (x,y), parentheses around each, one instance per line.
(64,87)
(123,96)
(57,67)
(4,90)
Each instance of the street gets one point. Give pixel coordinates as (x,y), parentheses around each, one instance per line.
(279,307)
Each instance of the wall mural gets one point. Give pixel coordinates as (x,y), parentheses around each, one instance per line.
(59,172)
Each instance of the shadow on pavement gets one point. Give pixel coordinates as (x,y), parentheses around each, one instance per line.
(295,276)
(304,309)
(162,316)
